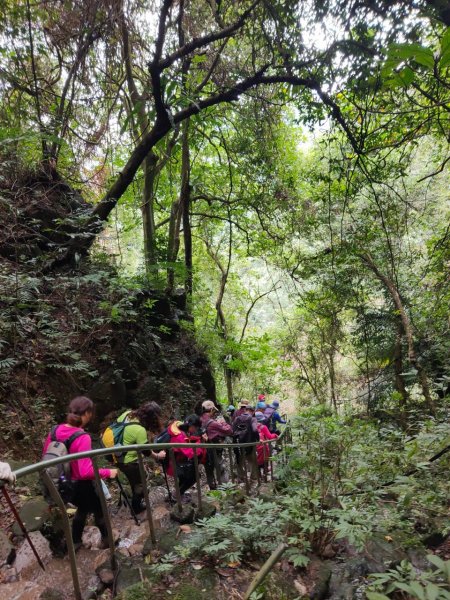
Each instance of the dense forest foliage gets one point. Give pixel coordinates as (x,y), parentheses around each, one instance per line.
(285,163)
(214,199)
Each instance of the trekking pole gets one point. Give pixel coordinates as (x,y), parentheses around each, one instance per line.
(171,498)
(127,502)
(22,526)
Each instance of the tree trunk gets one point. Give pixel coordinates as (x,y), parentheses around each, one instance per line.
(407,328)
(173,243)
(399,382)
(148,220)
(185,202)
(149,164)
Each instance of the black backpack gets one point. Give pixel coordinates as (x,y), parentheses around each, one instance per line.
(164,438)
(268,415)
(243,431)
(60,474)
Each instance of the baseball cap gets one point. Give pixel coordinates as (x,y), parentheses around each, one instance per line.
(261,397)
(231,408)
(208,405)
(261,405)
(275,404)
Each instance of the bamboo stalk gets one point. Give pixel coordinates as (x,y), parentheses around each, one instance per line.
(265,569)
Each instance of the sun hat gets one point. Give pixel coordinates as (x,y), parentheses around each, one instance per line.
(244,403)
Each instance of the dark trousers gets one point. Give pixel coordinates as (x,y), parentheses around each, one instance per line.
(211,468)
(86,500)
(132,473)
(186,476)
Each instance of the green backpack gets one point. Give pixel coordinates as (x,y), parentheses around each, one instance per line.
(113,436)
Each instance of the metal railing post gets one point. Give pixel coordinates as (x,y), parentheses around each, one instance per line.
(243,458)
(217,467)
(197,483)
(67,532)
(175,478)
(105,512)
(148,508)
(266,455)
(230,458)
(255,467)
(270,461)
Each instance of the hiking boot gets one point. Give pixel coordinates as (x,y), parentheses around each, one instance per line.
(185,498)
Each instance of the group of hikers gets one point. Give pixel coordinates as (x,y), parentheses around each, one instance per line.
(244,424)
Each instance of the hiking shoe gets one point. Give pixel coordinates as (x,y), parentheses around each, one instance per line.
(186,498)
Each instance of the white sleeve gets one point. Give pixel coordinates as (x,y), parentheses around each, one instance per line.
(6,473)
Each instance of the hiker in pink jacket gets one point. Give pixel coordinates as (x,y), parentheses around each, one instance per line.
(85,496)
(263,450)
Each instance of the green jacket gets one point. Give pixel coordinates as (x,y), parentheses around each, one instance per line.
(132,434)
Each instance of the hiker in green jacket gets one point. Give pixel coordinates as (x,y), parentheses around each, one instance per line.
(142,424)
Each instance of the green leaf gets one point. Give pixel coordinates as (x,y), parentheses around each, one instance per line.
(376,596)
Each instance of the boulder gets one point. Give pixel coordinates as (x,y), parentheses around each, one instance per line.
(161,517)
(23,590)
(34,513)
(135,549)
(26,560)
(91,537)
(8,574)
(7,550)
(157,495)
(382,554)
(185,516)
(321,575)
(106,576)
(207,510)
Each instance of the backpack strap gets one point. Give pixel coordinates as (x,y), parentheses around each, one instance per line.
(72,438)
(53,433)
(207,423)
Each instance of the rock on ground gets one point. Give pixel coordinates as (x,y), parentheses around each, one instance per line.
(25,559)
(7,550)
(33,513)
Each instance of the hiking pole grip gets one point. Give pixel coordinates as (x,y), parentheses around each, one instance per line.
(22,526)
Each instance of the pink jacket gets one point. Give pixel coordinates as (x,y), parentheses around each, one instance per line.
(81,468)
(182,455)
(262,450)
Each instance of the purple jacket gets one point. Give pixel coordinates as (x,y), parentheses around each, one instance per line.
(216,430)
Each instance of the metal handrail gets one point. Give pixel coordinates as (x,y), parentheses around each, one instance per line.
(285,437)
(39,466)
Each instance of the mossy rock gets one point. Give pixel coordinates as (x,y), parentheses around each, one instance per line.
(165,542)
(208,510)
(184,517)
(34,514)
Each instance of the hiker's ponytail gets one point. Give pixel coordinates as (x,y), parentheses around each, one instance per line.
(78,407)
